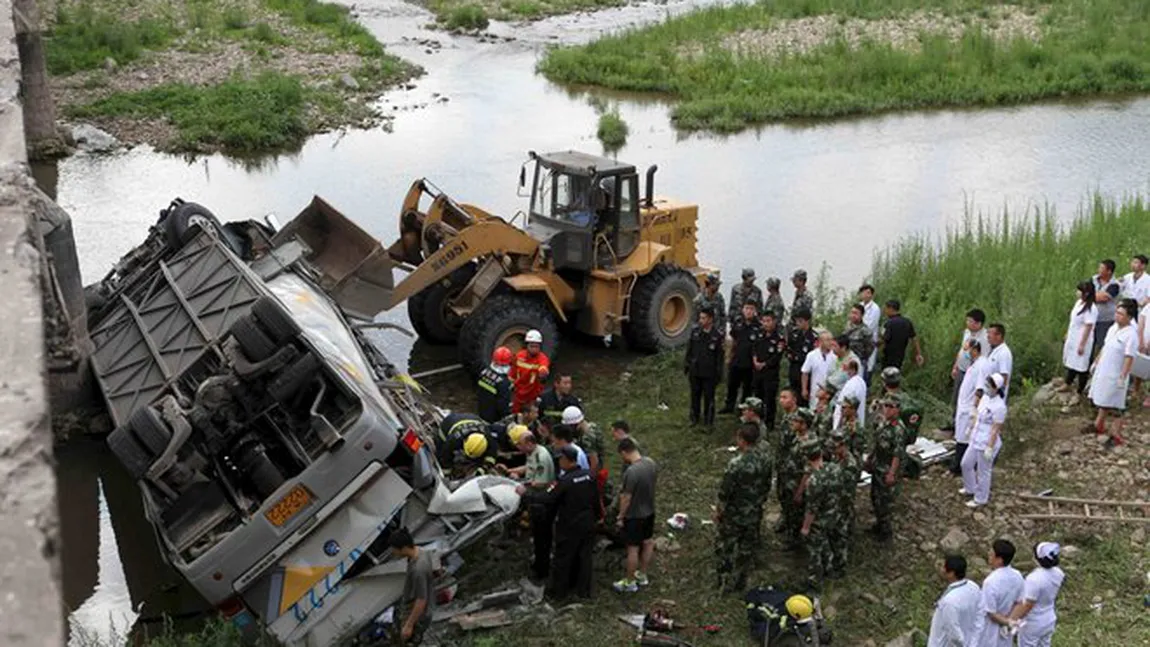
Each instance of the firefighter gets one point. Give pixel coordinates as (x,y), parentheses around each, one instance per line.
(494,401)
(530,369)
(467,445)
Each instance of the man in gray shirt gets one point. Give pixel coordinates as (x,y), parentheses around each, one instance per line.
(418,592)
(1106,290)
(636,518)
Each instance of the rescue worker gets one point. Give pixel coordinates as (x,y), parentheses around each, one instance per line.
(588,437)
(860,339)
(559,397)
(825,410)
(745,333)
(529,371)
(785,438)
(792,473)
(738,512)
(775,303)
(821,502)
(767,358)
(572,498)
(494,400)
(704,366)
(911,410)
(850,472)
(711,298)
(749,415)
(469,455)
(801,340)
(538,474)
(886,456)
(853,433)
(743,293)
(803,299)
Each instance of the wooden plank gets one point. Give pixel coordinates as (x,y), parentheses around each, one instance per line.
(1058,499)
(1078,517)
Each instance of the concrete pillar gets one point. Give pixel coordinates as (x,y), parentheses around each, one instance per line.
(30,608)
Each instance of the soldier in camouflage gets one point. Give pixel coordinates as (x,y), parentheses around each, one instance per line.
(822,514)
(803,299)
(850,471)
(739,512)
(885,459)
(775,301)
(860,339)
(784,441)
(711,298)
(792,476)
(825,409)
(855,436)
(749,415)
(745,292)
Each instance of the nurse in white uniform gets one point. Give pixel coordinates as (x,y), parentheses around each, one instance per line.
(985,442)
(1112,372)
(1001,590)
(973,379)
(1080,336)
(1034,616)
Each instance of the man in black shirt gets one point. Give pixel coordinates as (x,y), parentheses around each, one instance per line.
(800,341)
(745,332)
(704,366)
(898,333)
(574,499)
(559,397)
(768,357)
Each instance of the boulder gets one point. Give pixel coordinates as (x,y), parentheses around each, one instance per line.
(92,139)
(954,540)
(348,81)
(1044,395)
(110,65)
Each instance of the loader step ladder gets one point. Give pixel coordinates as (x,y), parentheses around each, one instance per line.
(1068,509)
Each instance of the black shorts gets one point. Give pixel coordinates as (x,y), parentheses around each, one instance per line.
(637,531)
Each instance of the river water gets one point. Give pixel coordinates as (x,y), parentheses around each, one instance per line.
(775,198)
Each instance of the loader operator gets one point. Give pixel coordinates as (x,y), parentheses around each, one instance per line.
(494,395)
(467,446)
(530,369)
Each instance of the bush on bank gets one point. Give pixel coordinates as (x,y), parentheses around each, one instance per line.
(1083,48)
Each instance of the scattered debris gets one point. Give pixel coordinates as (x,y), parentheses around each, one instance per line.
(679,521)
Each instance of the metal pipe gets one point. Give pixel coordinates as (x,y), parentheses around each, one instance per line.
(651,184)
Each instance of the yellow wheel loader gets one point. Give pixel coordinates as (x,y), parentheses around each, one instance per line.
(591,254)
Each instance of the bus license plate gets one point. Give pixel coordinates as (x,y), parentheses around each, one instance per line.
(287,507)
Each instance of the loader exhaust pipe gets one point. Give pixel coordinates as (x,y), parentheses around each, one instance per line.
(651,184)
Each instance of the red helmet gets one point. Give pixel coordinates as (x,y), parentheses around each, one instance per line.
(502,356)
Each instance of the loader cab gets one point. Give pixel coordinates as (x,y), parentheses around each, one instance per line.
(585,207)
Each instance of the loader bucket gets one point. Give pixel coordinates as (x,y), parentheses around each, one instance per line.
(355,267)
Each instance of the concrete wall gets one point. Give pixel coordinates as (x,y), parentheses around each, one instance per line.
(30,608)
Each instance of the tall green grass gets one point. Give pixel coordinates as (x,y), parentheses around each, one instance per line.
(83,37)
(1087,47)
(1021,270)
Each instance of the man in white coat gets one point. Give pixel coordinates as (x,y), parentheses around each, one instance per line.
(1000,591)
(956,612)
(973,379)
(854,387)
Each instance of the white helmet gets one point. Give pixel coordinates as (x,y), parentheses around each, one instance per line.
(572,415)
(534,337)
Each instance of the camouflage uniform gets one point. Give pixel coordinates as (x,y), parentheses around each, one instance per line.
(792,466)
(888,444)
(856,438)
(803,301)
(715,303)
(776,305)
(861,342)
(741,511)
(849,472)
(741,294)
(822,499)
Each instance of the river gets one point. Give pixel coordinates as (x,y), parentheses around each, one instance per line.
(775,198)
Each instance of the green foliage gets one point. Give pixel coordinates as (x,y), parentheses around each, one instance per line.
(239,115)
(332,19)
(236,18)
(523,8)
(83,37)
(1085,48)
(612,132)
(470,17)
(264,33)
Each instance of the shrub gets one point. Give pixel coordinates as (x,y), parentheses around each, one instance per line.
(470,17)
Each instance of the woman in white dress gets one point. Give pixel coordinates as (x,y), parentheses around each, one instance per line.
(985,442)
(1112,372)
(1144,339)
(1034,617)
(1079,337)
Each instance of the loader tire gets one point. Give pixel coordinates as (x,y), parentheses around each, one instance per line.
(436,323)
(184,221)
(503,320)
(151,430)
(275,319)
(662,309)
(133,456)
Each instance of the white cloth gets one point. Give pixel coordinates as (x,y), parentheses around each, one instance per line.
(972,380)
(955,615)
(1002,361)
(855,387)
(871,316)
(818,366)
(1079,320)
(1107,388)
(1000,590)
(1040,587)
(1136,288)
(980,336)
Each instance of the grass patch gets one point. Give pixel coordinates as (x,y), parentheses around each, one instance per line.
(468,17)
(446,10)
(1084,48)
(240,115)
(83,37)
(333,20)
(612,131)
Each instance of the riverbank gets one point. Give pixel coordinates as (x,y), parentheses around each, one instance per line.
(728,68)
(238,76)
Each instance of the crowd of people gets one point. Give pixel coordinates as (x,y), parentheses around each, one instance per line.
(810,433)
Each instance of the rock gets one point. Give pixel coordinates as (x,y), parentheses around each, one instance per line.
(143,76)
(873,599)
(979,517)
(110,65)
(1070,551)
(954,540)
(870,643)
(829,612)
(92,139)
(1044,395)
(348,81)
(1138,536)
(905,640)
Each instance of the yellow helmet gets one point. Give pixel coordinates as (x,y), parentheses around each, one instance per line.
(800,607)
(515,433)
(475,445)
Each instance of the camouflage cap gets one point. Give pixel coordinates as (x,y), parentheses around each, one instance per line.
(831,387)
(850,401)
(837,435)
(889,401)
(806,415)
(811,447)
(773,283)
(837,381)
(891,375)
(748,272)
(713,278)
(800,274)
(751,403)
